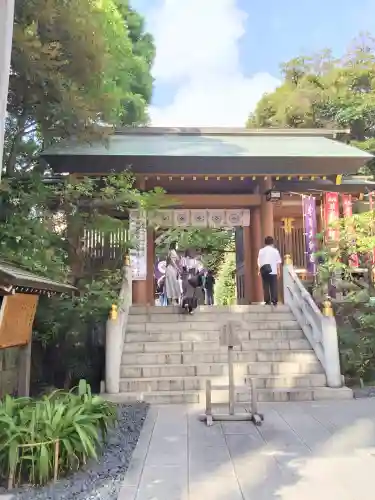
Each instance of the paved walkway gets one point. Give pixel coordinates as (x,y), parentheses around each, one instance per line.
(309,451)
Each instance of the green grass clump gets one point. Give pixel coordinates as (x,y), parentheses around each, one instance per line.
(42,438)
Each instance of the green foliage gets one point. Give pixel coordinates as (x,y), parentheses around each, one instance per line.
(69,333)
(225,289)
(325,92)
(356,235)
(30,428)
(355,313)
(42,221)
(211,242)
(53,95)
(141,81)
(356,323)
(357,349)
(26,233)
(41,230)
(78,68)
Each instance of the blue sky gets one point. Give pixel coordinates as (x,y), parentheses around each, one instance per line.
(284,29)
(215,58)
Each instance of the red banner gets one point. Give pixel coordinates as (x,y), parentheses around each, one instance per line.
(331,214)
(347,208)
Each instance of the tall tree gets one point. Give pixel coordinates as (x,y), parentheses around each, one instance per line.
(75,66)
(135,103)
(324,92)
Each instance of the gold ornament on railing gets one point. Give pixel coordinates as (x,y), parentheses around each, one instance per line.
(327,308)
(127,260)
(113,312)
(288,260)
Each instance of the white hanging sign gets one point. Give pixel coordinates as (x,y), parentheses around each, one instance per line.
(138,235)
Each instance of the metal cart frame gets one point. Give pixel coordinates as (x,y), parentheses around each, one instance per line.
(229,338)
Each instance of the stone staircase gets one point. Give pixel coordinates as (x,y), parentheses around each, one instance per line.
(167,356)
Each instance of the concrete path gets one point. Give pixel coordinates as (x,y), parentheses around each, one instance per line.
(309,451)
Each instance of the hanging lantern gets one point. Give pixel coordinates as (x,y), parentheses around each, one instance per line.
(273,196)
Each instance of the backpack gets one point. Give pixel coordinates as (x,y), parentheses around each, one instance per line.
(193,281)
(265,270)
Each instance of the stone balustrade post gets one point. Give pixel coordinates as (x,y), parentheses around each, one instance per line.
(331,346)
(115,333)
(324,327)
(287,264)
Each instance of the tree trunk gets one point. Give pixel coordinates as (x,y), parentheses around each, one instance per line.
(10,165)
(75,251)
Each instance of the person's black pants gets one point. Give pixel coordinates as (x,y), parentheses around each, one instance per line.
(270,288)
(209,297)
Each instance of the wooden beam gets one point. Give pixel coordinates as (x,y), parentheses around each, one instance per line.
(214,200)
(24,366)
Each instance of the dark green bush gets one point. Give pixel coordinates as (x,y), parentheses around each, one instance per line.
(356,330)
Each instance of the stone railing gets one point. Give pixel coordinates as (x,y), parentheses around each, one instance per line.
(115,333)
(319,327)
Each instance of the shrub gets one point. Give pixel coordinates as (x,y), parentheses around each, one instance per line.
(225,289)
(29,430)
(357,354)
(356,323)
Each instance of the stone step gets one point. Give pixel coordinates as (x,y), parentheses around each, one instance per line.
(206,326)
(220,369)
(202,317)
(199,336)
(264,395)
(209,309)
(167,358)
(213,346)
(195,383)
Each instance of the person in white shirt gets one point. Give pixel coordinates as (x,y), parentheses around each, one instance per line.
(269,268)
(188,261)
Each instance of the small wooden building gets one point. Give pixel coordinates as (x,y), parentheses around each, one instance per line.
(19,294)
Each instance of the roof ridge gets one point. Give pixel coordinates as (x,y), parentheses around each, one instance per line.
(236,131)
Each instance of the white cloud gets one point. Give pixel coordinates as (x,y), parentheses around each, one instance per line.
(197,50)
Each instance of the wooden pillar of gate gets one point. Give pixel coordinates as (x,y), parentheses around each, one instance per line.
(266,210)
(256,243)
(140,296)
(247,262)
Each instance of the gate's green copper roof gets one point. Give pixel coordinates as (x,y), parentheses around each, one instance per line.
(201,145)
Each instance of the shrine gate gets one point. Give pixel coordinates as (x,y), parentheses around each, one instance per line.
(225,178)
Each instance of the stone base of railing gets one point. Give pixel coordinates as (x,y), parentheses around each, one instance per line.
(319,327)
(115,334)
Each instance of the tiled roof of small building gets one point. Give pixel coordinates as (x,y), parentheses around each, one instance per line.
(14,276)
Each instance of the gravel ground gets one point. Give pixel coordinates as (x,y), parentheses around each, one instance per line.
(98,480)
